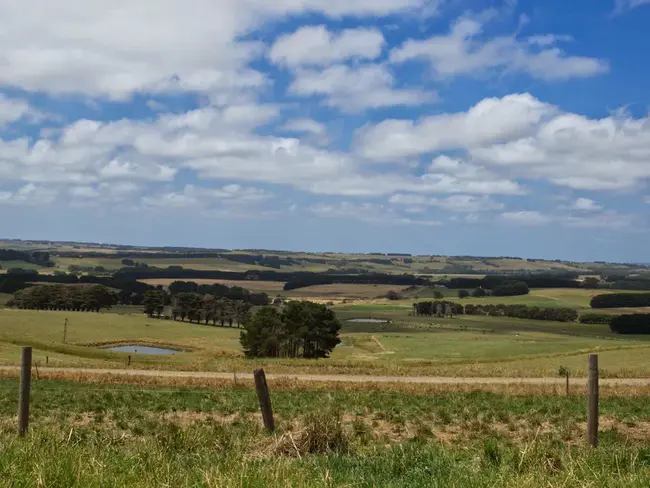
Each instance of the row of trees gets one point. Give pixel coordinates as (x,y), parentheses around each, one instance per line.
(524,312)
(219,290)
(439,308)
(631,324)
(300,330)
(62,297)
(197,308)
(615,300)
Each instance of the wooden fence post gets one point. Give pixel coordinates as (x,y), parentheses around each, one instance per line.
(25,386)
(567,382)
(592,393)
(265,399)
(129,363)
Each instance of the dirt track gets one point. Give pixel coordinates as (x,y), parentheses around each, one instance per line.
(430,380)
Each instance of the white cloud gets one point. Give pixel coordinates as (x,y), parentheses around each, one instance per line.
(353,89)
(526,217)
(309,126)
(29,194)
(315,45)
(13,109)
(116,48)
(489,121)
(467,51)
(367,212)
(83,192)
(623,5)
(525,138)
(586,205)
(202,197)
(454,203)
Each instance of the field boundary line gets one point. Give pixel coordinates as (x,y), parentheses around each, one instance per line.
(434,380)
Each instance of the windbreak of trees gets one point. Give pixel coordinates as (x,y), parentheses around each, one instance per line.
(631,324)
(207,309)
(40,258)
(301,330)
(490,282)
(62,297)
(219,290)
(439,308)
(596,318)
(615,300)
(524,312)
(511,289)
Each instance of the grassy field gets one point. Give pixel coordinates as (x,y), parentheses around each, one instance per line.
(85,435)
(462,346)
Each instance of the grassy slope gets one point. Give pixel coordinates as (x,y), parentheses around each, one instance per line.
(92,436)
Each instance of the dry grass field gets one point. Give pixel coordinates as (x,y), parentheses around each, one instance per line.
(253,285)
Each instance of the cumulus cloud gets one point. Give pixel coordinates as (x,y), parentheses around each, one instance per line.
(202,197)
(454,203)
(466,50)
(116,48)
(13,109)
(367,212)
(526,138)
(526,217)
(29,194)
(586,205)
(315,45)
(489,121)
(353,89)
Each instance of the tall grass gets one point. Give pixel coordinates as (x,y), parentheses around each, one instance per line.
(87,435)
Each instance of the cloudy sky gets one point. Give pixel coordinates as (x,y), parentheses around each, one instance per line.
(485,127)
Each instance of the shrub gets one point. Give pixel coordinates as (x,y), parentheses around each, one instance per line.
(479,293)
(596,318)
(393,295)
(463,293)
(631,324)
(615,300)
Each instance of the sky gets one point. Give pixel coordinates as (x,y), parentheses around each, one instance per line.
(458,127)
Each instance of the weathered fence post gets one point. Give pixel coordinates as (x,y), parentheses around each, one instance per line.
(25,386)
(567,382)
(47,359)
(265,399)
(129,363)
(592,393)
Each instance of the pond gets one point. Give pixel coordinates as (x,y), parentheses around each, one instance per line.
(368,321)
(135,349)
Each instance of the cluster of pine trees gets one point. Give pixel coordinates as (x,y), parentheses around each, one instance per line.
(300,330)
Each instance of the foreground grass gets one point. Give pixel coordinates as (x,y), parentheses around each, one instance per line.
(101,436)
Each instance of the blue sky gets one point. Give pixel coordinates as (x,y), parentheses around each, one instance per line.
(478,127)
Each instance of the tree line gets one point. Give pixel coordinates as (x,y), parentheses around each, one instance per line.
(195,307)
(631,324)
(90,298)
(40,258)
(524,312)
(300,330)
(615,300)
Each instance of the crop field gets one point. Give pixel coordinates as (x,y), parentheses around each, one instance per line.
(89,435)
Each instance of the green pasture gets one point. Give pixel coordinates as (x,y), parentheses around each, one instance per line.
(465,345)
(95,436)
